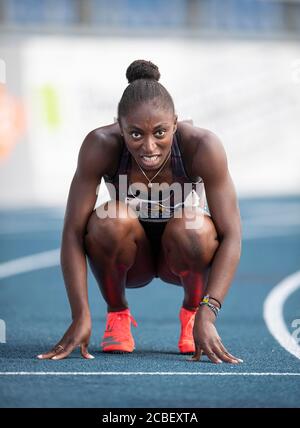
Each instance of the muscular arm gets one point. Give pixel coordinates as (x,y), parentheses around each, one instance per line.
(210,163)
(93,161)
(82,197)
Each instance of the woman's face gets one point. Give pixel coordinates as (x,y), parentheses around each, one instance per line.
(148,133)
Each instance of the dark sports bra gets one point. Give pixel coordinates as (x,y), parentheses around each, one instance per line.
(148,207)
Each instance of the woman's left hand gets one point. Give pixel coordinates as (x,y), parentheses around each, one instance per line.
(207,339)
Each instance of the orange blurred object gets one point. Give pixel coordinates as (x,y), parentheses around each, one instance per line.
(12,122)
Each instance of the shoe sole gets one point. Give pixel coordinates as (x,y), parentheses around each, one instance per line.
(186,349)
(115,350)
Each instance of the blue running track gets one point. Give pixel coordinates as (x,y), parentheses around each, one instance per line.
(35,310)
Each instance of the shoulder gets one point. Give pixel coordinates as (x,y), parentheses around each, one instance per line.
(100,149)
(203,150)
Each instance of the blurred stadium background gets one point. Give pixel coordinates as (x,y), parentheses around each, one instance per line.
(233,66)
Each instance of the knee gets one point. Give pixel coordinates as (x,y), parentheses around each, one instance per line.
(107,233)
(201,246)
(191,249)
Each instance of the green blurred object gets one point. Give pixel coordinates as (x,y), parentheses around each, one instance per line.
(50,104)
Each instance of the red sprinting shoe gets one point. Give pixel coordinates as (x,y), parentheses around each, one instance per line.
(186,343)
(117,336)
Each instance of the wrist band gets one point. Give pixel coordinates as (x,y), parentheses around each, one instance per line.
(216,300)
(205,302)
(211,307)
(207,298)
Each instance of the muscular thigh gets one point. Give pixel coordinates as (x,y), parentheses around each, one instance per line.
(175,228)
(125,233)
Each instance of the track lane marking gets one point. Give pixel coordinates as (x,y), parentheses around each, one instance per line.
(273,313)
(30,263)
(148,374)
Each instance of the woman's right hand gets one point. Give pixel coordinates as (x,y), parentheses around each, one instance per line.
(78,334)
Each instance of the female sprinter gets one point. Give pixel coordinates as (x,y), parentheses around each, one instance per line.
(135,237)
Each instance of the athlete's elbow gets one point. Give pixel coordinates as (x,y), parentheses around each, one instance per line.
(233,240)
(71,237)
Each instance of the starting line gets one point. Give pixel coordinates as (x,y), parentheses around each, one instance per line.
(148,374)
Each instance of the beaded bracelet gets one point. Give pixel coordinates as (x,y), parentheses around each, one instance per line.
(214,308)
(216,300)
(207,298)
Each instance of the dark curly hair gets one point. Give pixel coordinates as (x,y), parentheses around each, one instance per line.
(143,77)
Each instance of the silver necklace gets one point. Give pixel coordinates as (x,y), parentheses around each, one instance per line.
(150,180)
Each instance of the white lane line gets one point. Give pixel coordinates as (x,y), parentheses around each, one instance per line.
(273,313)
(147,374)
(42,260)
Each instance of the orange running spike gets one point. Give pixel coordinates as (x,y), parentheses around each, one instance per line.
(186,343)
(117,336)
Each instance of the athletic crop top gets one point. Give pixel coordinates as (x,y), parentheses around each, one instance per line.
(159,202)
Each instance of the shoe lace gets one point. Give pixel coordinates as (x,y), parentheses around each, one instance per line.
(116,322)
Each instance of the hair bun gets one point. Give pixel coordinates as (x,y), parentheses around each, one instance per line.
(141,69)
